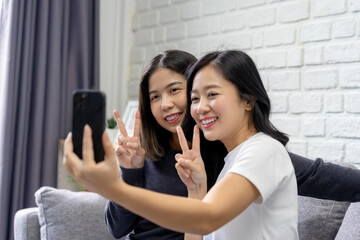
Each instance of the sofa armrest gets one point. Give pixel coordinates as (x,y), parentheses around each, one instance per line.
(350,227)
(26,224)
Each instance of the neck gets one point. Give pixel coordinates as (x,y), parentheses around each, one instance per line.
(174,142)
(241,136)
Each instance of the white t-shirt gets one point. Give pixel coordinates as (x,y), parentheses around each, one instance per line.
(266,163)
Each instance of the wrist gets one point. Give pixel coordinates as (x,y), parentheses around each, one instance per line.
(138,163)
(198,192)
(115,191)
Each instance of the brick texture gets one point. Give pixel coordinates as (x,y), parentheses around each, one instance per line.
(307,52)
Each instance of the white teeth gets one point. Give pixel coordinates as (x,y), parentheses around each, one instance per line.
(172,117)
(208,121)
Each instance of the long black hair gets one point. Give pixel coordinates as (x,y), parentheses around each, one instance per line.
(154,138)
(238,68)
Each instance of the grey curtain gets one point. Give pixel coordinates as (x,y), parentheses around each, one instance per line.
(53,50)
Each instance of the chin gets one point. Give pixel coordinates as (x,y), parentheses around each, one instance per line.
(172,130)
(210,137)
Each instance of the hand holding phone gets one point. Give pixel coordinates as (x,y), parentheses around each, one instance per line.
(88,108)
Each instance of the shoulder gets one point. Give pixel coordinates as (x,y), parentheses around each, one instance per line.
(262,145)
(260,151)
(263,161)
(263,139)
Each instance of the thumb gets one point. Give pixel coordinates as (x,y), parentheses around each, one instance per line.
(188,165)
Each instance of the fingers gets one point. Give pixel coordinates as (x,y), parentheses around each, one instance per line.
(136,146)
(68,145)
(120,123)
(178,156)
(70,161)
(181,171)
(137,124)
(68,149)
(182,140)
(188,165)
(87,148)
(196,139)
(108,147)
(121,139)
(121,150)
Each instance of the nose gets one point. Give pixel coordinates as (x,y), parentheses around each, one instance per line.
(203,106)
(166,103)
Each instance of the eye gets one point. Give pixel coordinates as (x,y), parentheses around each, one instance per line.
(154,97)
(194,99)
(212,94)
(174,90)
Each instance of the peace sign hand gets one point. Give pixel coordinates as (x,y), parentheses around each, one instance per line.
(129,152)
(190,166)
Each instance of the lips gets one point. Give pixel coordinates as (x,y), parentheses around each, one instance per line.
(208,122)
(173,118)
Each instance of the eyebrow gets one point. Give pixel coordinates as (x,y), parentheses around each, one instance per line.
(167,86)
(206,88)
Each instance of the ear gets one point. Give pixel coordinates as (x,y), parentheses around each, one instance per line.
(250,103)
(249,106)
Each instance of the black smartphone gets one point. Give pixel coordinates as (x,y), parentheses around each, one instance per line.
(88,108)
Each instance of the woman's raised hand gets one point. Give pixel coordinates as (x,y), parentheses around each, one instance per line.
(129,152)
(190,165)
(97,177)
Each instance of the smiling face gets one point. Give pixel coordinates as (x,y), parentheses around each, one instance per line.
(167,92)
(218,110)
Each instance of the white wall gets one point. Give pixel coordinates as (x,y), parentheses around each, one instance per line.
(307,51)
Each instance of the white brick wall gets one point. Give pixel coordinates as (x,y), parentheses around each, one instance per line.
(333,103)
(315,31)
(320,78)
(294,11)
(307,51)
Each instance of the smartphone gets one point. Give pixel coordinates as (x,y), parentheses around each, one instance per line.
(88,108)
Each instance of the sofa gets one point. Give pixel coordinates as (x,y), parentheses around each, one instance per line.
(64,214)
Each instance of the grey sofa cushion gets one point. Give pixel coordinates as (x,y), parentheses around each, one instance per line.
(320,219)
(64,214)
(26,224)
(350,227)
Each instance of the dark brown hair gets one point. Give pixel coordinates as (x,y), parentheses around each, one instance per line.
(154,138)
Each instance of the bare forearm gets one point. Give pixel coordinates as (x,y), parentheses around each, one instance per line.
(176,213)
(199,194)
(190,236)
(219,206)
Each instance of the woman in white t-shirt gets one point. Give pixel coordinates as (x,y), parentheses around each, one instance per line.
(255,196)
